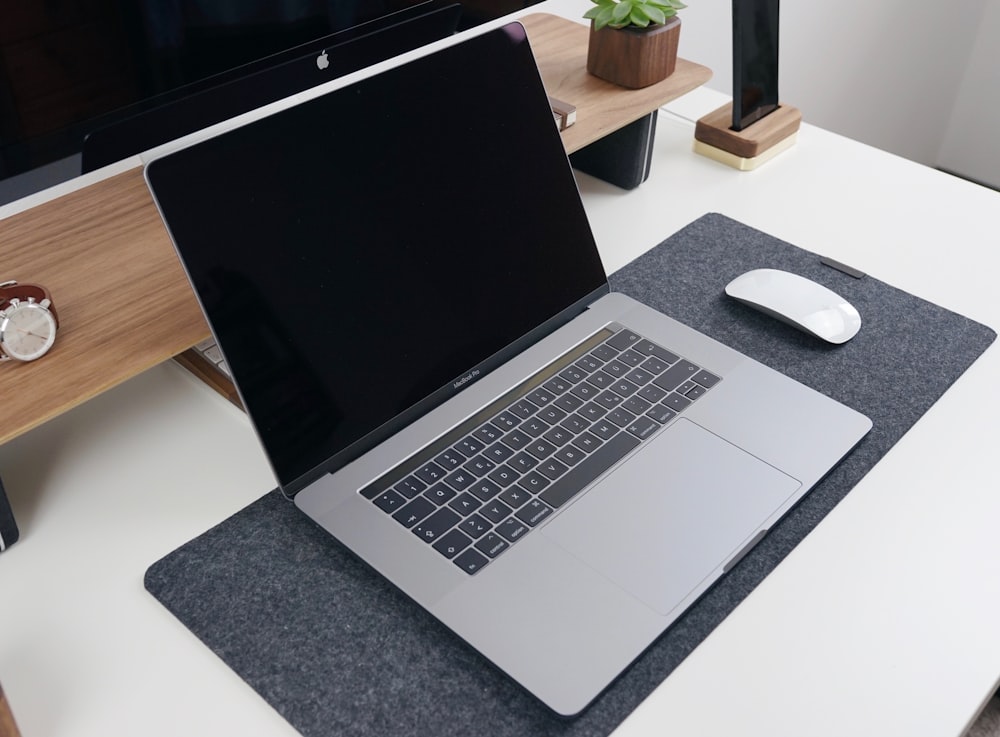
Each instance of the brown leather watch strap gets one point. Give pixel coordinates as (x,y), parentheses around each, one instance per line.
(14,290)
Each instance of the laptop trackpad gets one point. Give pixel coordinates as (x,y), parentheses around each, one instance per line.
(676,511)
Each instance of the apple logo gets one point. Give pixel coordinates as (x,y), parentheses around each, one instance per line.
(323,61)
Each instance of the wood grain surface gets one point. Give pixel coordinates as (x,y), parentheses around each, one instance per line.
(560,48)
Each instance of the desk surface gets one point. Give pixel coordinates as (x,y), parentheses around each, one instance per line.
(883,621)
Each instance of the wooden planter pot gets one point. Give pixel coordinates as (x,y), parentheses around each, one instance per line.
(634,57)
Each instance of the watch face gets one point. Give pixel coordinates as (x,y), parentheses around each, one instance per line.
(27,331)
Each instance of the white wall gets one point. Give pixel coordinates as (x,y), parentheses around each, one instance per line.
(884,72)
(971,144)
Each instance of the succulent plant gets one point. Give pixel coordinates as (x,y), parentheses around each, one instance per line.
(641,13)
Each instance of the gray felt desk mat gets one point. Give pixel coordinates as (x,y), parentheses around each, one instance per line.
(337,651)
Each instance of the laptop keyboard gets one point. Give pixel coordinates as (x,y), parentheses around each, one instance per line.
(478,490)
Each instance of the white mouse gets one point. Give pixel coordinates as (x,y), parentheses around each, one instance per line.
(798,301)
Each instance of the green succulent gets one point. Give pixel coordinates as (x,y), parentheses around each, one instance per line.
(621,13)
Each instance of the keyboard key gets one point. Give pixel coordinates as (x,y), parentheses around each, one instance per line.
(642,427)
(685,387)
(484,490)
(450,459)
(471,561)
(492,545)
(532,482)
(651,349)
(540,448)
(573,375)
(522,462)
(601,380)
(459,480)
(390,501)
(636,405)
(551,469)
(706,379)
(604,430)
(507,420)
(620,417)
(639,376)
(654,365)
(551,414)
(523,409)
(676,402)
(469,446)
(488,433)
(533,426)
(624,388)
(588,470)
(533,512)
(623,339)
(695,392)
(465,504)
(617,369)
(604,352)
(585,391)
(676,375)
(480,466)
(515,496)
(558,436)
(504,476)
(430,473)
(452,544)
(512,529)
(498,453)
(592,411)
(575,424)
(540,396)
(516,439)
(631,357)
(436,525)
(568,402)
(652,393)
(569,455)
(414,511)
(589,364)
(608,399)
(410,486)
(660,413)
(440,493)
(475,526)
(495,511)
(587,442)
(557,385)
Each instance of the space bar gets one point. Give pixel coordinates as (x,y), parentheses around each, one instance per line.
(572,483)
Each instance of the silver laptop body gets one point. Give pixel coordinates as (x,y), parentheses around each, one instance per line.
(564,588)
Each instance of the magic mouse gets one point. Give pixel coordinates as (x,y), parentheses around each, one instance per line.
(798,301)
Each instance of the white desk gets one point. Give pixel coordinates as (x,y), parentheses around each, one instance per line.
(883,621)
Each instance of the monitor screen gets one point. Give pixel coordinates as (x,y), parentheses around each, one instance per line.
(69,68)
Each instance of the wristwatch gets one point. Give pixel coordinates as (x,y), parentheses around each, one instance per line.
(28,321)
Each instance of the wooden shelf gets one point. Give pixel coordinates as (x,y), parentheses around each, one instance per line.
(560,48)
(124,302)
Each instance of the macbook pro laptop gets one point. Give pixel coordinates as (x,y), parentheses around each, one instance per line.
(402,278)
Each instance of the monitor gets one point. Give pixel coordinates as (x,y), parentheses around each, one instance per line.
(70,69)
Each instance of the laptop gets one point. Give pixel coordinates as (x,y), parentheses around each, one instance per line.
(403,281)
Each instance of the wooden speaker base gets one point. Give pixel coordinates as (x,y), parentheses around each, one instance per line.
(754,145)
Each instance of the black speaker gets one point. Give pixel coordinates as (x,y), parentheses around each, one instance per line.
(8,527)
(621,158)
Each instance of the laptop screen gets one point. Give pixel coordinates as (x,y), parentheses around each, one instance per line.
(358,255)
